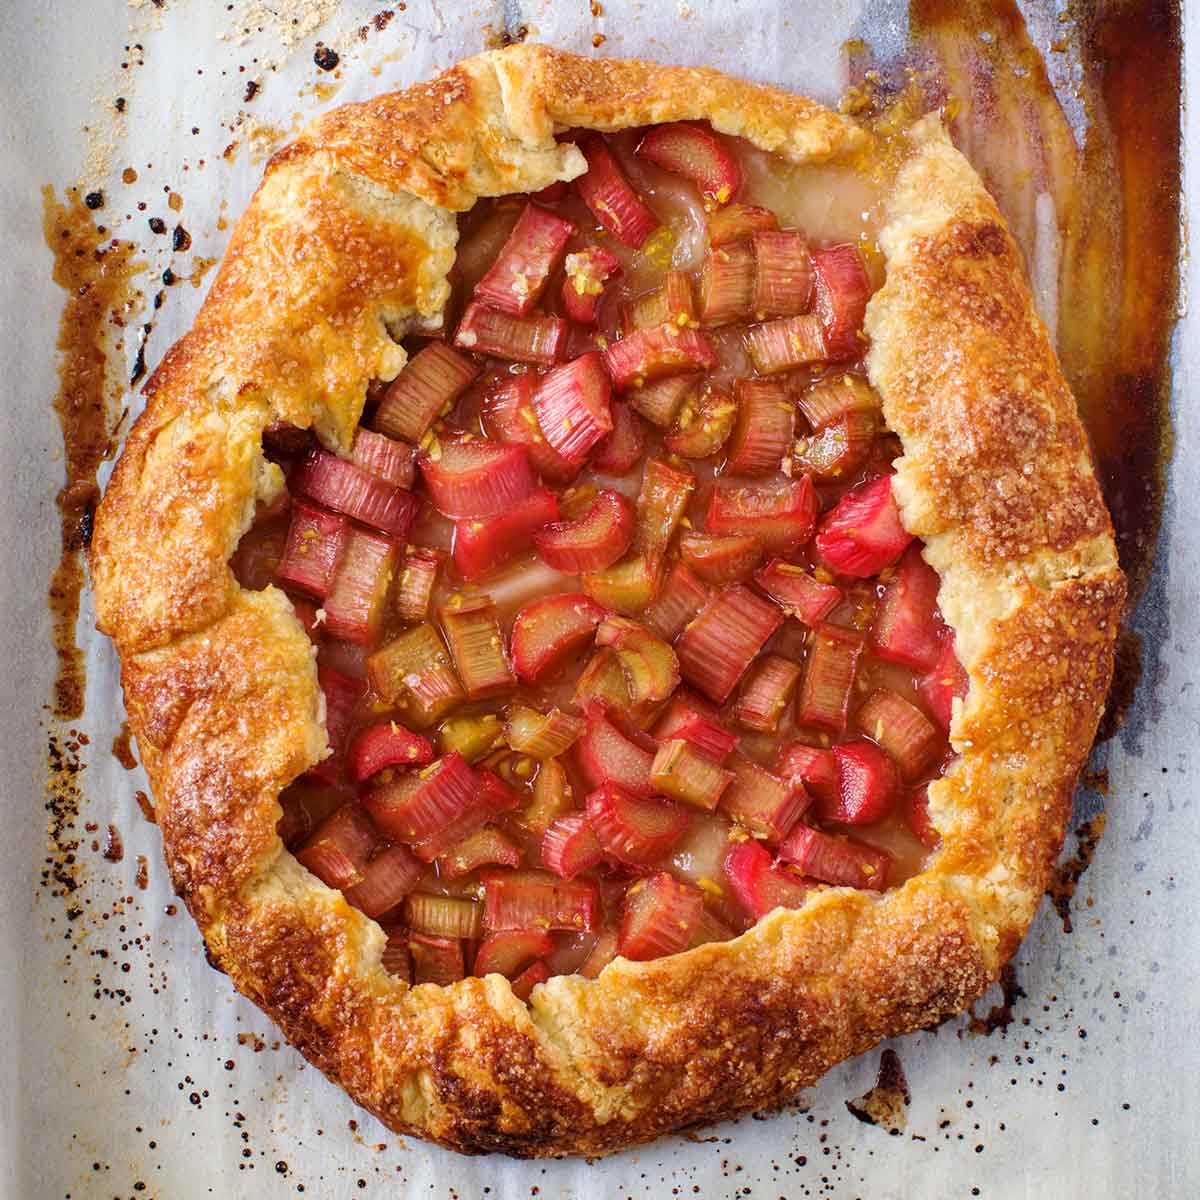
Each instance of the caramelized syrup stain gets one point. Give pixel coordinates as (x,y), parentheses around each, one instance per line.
(122,747)
(886,1104)
(1067,875)
(1000,1016)
(97,275)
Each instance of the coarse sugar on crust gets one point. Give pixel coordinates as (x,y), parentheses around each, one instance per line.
(347,244)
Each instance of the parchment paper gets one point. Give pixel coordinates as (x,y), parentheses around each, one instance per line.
(131,1069)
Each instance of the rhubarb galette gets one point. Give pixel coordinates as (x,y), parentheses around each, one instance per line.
(612,596)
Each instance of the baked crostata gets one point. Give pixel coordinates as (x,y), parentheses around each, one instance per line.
(612,596)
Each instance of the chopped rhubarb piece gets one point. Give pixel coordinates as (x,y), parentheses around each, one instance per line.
(386,744)
(476,479)
(661,502)
(867,786)
(727,285)
(418,804)
(767,805)
(628,586)
(699,857)
(396,959)
(907,628)
(603,682)
(689,718)
(600,955)
(762,436)
(258,555)
(509,951)
(515,281)
(843,290)
(552,193)
(312,554)
(765,693)
(348,489)
(472,631)
(903,730)
(660,401)
(633,829)
(387,879)
(836,860)
(650,665)
(812,767)
(537,900)
(531,339)
(796,591)
(341,694)
(572,406)
(483,240)
(681,597)
(824,696)
(671,301)
(587,271)
(606,191)
(427,387)
(482,545)
(306,614)
(783,279)
(720,560)
(570,846)
(493,799)
(837,396)
(354,606)
(683,772)
(549,631)
(717,647)
(786,344)
(862,533)
(510,418)
(486,846)
(781,515)
(660,916)
(443,916)
(760,884)
(474,736)
(552,798)
(691,149)
(916,816)
(338,852)
(944,683)
(436,960)
(704,423)
(541,735)
(415,673)
(648,354)
(710,928)
(621,450)
(605,755)
(537,972)
(392,461)
(837,450)
(738,221)
(414,588)
(592,542)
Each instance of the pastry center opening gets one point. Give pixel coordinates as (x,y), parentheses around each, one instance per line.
(622,642)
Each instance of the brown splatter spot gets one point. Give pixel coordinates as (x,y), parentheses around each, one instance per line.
(886,1104)
(143,802)
(1000,1016)
(129,175)
(1068,874)
(114,848)
(142,878)
(122,747)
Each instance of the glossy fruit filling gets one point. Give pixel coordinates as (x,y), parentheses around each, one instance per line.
(621,640)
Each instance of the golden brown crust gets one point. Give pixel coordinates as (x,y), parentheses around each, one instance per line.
(221,687)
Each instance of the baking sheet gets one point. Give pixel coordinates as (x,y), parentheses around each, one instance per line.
(131,1067)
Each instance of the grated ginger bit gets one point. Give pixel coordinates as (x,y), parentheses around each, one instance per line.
(711,886)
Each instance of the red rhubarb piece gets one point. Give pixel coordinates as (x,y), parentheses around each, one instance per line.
(386,880)
(595,541)
(767,805)
(839,449)
(867,786)
(531,339)
(903,730)
(622,449)
(633,829)
(916,816)
(760,884)
(681,597)
(606,755)
(476,643)
(720,560)
(684,772)
(414,672)
(737,222)
(587,271)
(537,972)
(477,478)
(572,406)
(549,631)
(338,852)
(783,275)
(313,550)
(824,696)
(786,344)
(396,958)
(436,960)
(515,281)
(946,681)
(510,418)
(484,847)
(435,915)
(690,718)
(419,804)
(842,291)
(386,744)
(727,285)
(481,545)
(717,647)
(538,900)
(391,460)
(704,423)
(606,191)
(907,627)
(797,592)
(836,860)
(355,603)
(661,502)
(429,384)
(766,693)
(672,301)
(781,515)
(627,586)
(660,916)
(659,402)
(414,587)
(509,951)
(765,425)
(691,149)
(570,846)
(862,533)
(835,396)
(494,799)
(348,489)
(648,354)
(342,694)
(813,767)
